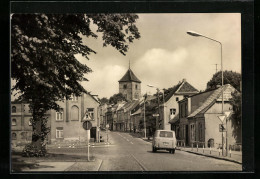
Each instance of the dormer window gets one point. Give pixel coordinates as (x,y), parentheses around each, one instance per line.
(125,86)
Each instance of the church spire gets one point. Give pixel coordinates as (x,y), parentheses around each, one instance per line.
(129,63)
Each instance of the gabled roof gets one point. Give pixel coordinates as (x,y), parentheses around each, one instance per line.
(209,101)
(184,88)
(129,77)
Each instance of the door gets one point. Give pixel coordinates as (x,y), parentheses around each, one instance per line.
(186,135)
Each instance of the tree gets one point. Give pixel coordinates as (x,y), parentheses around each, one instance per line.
(237,115)
(104,100)
(43,63)
(229,77)
(117,97)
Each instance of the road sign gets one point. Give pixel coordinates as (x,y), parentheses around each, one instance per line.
(87,125)
(155,115)
(222,118)
(227,113)
(221,128)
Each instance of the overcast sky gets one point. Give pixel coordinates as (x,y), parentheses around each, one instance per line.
(165,54)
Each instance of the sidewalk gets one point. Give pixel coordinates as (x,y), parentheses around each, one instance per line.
(234,156)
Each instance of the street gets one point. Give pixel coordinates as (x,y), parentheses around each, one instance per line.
(127,153)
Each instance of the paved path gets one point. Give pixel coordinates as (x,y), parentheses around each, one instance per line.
(128,153)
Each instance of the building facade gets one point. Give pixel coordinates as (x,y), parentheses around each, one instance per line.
(199,122)
(130,86)
(21,125)
(65,125)
(171,107)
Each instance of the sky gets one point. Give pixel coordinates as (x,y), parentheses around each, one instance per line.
(165,54)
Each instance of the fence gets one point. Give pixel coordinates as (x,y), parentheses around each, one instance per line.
(209,144)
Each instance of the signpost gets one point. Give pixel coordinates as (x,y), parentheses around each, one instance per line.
(87,126)
(221,128)
(107,126)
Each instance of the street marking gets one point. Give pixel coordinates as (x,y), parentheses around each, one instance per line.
(131,142)
(127,140)
(141,165)
(100,165)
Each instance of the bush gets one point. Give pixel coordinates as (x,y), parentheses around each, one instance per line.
(30,150)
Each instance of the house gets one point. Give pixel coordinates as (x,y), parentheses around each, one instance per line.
(127,114)
(119,121)
(102,115)
(21,125)
(170,109)
(65,125)
(198,118)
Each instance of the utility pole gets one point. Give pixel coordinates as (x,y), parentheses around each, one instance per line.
(216,67)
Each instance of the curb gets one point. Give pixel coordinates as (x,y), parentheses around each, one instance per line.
(212,156)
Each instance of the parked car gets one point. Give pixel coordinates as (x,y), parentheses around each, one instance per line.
(164,140)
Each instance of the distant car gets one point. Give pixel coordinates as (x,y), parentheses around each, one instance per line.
(164,140)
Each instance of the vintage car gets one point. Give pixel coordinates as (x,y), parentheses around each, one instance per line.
(164,140)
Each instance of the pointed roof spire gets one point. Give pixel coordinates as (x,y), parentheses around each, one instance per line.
(129,63)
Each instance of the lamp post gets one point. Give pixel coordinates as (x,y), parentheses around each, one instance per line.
(144,116)
(195,34)
(158,89)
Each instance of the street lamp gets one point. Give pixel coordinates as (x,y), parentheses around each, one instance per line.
(158,89)
(195,34)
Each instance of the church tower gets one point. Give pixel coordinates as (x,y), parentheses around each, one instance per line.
(130,85)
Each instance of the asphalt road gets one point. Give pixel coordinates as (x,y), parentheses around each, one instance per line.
(127,153)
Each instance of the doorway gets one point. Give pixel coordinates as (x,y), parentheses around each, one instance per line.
(186,134)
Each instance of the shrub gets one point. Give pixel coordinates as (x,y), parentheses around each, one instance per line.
(30,150)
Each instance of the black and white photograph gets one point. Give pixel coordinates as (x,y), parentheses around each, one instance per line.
(125,92)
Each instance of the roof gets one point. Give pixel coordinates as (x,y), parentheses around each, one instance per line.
(137,112)
(211,99)
(182,88)
(130,105)
(129,76)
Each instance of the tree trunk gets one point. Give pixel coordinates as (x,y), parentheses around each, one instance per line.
(37,140)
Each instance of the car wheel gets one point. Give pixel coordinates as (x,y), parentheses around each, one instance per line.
(154,149)
(173,151)
(170,151)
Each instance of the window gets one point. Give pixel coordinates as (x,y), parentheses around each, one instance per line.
(14,136)
(181,112)
(59,132)
(14,123)
(172,111)
(30,121)
(24,135)
(186,109)
(125,86)
(166,134)
(59,115)
(13,109)
(177,98)
(74,98)
(136,87)
(74,113)
(90,114)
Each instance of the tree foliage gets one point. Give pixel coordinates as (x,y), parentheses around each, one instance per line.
(116,98)
(43,49)
(104,100)
(229,77)
(236,102)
